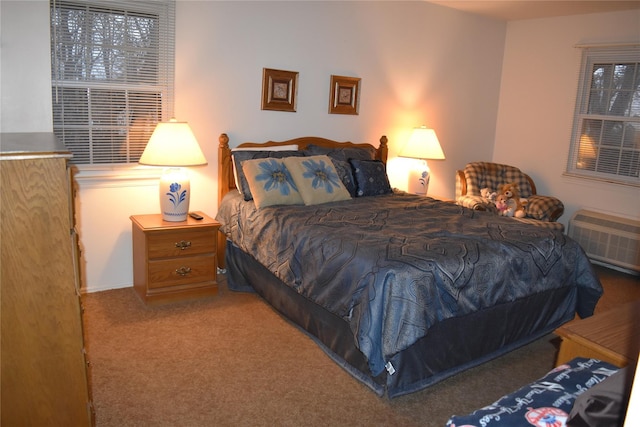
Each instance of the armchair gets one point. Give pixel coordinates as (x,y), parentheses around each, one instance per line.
(540,210)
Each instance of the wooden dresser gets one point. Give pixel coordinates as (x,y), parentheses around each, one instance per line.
(43,368)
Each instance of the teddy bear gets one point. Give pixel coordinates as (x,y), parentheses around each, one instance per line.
(503,207)
(513,199)
(488,195)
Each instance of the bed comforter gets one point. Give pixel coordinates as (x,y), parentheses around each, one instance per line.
(393,266)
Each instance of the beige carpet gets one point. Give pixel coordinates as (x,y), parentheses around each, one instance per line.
(232,361)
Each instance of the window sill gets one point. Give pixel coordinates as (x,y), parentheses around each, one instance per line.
(115,175)
(600,179)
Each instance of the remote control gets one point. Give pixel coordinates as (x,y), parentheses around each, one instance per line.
(195,216)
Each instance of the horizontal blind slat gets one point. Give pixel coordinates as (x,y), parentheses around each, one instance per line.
(112,75)
(606,133)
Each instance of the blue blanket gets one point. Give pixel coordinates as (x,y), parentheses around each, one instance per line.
(395,265)
(546,402)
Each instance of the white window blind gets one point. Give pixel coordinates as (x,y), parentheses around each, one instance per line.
(606,133)
(112,71)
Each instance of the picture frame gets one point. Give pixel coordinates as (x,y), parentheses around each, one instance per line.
(344,95)
(279,90)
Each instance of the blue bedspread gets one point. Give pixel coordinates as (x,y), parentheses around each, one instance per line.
(395,265)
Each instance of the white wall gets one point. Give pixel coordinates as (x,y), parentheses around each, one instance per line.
(25,67)
(537,100)
(419,64)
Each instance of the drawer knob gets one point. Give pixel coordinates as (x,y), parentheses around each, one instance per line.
(183,245)
(183,271)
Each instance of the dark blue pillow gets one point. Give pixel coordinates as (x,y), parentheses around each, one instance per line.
(343,168)
(371,177)
(344,154)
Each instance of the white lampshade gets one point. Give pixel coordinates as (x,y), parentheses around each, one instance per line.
(173,145)
(423,144)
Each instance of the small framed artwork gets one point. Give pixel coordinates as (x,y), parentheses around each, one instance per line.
(279,90)
(345,95)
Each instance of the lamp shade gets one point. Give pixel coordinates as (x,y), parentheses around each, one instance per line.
(172,144)
(423,144)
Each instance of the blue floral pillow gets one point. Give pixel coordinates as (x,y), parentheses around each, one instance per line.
(316,179)
(241,156)
(271,182)
(371,177)
(340,157)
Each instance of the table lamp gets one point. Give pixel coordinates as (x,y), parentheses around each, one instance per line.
(423,144)
(174,146)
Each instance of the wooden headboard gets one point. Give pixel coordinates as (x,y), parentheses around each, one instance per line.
(226,181)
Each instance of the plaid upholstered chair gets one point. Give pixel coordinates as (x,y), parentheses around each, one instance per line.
(540,210)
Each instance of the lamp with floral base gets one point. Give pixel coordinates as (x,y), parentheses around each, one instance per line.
(174,146)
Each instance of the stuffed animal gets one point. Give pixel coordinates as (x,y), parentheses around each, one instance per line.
(513,199)
(502,205)
(488,195)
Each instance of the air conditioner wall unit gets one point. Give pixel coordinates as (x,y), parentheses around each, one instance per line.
(608,239)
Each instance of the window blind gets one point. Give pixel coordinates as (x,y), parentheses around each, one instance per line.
(112,71)
(606,133)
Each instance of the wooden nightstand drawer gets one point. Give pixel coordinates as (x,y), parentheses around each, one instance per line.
(179,244)
(174,261)
(182,271)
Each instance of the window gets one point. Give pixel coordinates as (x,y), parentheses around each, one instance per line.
(112,65)
(606,133)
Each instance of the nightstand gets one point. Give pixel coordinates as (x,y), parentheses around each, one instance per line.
(174,261)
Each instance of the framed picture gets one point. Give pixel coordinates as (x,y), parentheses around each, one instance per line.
(279,90)
(344,95)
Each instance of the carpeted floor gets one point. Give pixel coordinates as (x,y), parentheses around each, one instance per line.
(232,361)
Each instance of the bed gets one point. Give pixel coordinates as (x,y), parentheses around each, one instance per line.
(401,290)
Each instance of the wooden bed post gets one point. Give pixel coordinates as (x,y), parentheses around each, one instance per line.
(383,150)
(225,173)
(224,165)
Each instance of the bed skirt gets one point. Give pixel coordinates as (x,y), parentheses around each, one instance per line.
(450,347)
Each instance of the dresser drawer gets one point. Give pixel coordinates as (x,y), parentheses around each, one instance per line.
(181,271)
(179,244)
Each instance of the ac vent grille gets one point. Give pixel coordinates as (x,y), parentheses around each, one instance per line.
(608,239)
(616,225)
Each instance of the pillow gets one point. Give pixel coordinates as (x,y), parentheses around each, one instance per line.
(543,207)
(270,182)
(345,172)
(316,179)
(344,154)
(241,155)
(371,177)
